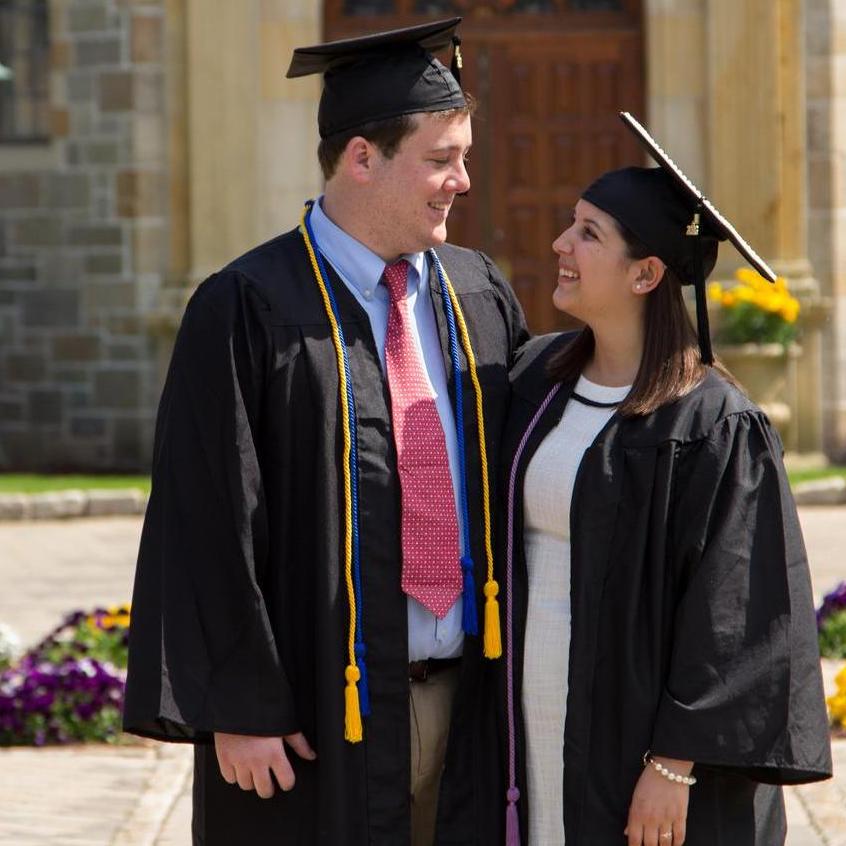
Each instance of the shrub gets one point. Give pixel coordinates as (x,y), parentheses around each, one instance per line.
(832,634)
(70,686)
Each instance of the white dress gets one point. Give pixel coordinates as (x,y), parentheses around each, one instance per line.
(548,490)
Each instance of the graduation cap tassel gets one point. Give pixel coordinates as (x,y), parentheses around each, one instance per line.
(457,60)
(703,328)
(702,324)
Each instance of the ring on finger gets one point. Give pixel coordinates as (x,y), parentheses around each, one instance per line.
(666,835)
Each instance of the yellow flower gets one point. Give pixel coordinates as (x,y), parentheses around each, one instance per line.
(715,291)
(757,298)
(751,278)
(790,310)
(772,303)
(116,617)
(837,703)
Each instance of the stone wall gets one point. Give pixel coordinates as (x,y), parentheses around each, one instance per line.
(82,247)
(177,144)
(826,49)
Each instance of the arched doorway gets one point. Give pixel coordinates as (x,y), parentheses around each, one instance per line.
(550,77)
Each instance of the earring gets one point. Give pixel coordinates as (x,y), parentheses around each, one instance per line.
(638,286)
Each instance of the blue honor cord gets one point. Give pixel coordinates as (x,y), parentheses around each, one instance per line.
(470,623)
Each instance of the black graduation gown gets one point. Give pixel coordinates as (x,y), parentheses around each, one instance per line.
(239,616)
(693,629)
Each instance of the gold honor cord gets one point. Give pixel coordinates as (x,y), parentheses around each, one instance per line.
(353,731)
(492,635)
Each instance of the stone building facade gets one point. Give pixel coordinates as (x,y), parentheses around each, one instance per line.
(83,226)
(176,143)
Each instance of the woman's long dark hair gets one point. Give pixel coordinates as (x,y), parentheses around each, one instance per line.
(670,366)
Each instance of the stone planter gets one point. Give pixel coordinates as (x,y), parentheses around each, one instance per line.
(769,375)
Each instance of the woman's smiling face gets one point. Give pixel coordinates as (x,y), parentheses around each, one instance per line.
(595,274)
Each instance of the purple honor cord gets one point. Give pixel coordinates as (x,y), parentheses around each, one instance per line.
(512,822)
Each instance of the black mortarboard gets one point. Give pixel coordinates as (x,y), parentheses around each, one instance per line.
(664,210)
(381,76)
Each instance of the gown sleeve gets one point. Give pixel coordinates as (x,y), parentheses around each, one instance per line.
(743,688)
(512,311)
(202,654)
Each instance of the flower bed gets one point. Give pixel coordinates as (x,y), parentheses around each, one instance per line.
(69,688)
(831,625)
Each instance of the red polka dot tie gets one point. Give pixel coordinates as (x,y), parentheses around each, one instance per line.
(431,572)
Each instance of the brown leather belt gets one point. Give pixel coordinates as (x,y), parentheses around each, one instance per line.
(419,671)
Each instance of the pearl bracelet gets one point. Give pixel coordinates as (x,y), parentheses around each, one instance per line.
(648,760)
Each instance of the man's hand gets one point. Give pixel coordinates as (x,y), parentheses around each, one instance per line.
(658,812)
(250,760)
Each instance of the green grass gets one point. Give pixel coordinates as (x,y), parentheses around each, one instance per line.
(812,475)
(31,483)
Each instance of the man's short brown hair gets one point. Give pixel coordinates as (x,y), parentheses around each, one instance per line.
(385,135)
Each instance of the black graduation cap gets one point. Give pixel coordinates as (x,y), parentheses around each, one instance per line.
(384,75)
(671,216)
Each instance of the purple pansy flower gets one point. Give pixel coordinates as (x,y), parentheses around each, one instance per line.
(67,688)
(833,602)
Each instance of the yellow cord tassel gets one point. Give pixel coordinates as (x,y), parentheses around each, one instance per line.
(352,717)
(493,637)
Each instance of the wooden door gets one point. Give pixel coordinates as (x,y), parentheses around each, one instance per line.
(549,77)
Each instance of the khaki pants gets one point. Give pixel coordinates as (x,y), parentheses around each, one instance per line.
(430,705)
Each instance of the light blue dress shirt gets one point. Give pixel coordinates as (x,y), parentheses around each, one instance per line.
(361,271)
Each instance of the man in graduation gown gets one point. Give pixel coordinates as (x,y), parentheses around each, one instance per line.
(242,633)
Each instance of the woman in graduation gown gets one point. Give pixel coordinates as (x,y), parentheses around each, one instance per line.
(662,672)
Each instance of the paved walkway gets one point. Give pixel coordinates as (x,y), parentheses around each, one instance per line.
(139,795)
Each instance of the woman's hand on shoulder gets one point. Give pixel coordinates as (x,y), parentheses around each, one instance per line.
(659,806)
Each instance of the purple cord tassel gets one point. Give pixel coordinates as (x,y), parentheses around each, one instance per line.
(512,821)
